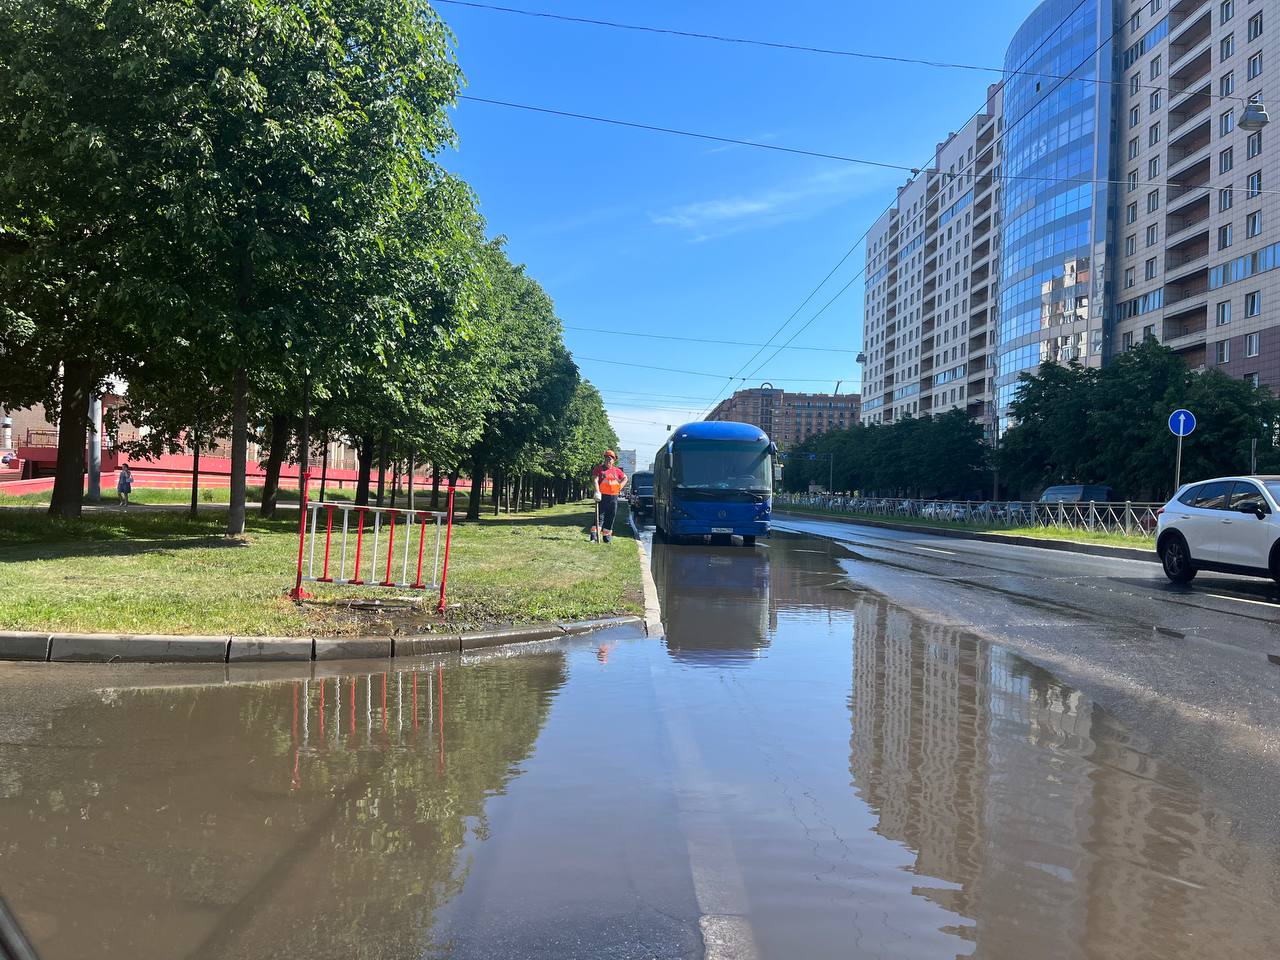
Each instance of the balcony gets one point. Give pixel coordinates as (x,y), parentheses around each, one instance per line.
(978,298)
(1188,103)
(1188,185)
(1192,33)
(1180,11)
(1189,142)
(1189,213)
(977,344)
(1181,303)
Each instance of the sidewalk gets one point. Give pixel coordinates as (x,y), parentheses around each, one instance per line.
(1067,546)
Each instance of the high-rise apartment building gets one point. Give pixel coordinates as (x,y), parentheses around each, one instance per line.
(788,418)
(1112,195)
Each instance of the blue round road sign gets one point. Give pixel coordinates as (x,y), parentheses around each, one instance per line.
(1182,423)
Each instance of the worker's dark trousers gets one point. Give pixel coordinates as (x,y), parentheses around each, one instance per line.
(608,510)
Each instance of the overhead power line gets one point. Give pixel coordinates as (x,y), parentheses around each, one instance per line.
(728,343)
(699,373)
(807,48)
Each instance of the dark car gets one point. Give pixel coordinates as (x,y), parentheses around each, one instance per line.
(1077,493)
(641,496)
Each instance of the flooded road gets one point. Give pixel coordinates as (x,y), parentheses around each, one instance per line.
(801,769)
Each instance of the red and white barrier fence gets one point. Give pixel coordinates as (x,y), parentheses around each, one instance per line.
(385,544)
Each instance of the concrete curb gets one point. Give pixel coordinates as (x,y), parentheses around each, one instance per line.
(141,648)
(1066,546)
(652,607)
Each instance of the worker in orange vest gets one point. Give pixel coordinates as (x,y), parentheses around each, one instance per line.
(609,480)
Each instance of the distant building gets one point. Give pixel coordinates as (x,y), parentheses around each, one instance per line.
(627,461)
(789,418)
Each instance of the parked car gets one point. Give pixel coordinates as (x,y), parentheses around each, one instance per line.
(7,459)
(1077,493)
(1230,524)
(641,496)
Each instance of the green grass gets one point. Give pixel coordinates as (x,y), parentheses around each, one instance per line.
(1040,533)
(160,572)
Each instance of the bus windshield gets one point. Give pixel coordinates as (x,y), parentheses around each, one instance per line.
(723,465)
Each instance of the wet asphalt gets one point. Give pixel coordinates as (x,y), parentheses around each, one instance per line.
(851,742)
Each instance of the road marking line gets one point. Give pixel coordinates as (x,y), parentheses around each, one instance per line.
(1260,603)
(949,553)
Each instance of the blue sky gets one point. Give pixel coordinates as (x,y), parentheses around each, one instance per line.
(648,233)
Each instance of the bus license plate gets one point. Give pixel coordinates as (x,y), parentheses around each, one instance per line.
(722,529)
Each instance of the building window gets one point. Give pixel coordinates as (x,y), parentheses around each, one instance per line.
(1133,149)
(1150,272)
(1226,123)
(1255,65)
(1153,167)
(1153,235)
(1156,66)
(1226,10)
(1223,351)
(1255,26)
(1224,236)
(1131,212)
(1251,345)
(1253,145)
(1134,83)
(1254,186)
(1133,180)
(1149,332)
(1251,379)
(1253,224)
(1131,245)
(1155,101)
(1227,47)
(1127,340)
(1153,135)
(1128,277)
(1227,84)
(1226,196)
(1223,316)
(1253,303)
(1135,116)
(1153,200)
(1226,160)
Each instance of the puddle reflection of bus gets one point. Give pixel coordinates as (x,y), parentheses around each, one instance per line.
(715,601)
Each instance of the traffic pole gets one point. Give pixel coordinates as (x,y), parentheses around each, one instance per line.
(1177,469)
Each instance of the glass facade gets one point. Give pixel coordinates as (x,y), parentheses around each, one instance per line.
(1058,145)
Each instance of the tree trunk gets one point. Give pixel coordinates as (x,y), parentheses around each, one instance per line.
(365,471)
(384,451)
(275,460)
(499,484)
(195,476)
(435,487)
(73,425)
(477,486)
(239,451)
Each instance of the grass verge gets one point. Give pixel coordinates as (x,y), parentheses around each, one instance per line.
(219,495)
(160,572)
(1040,533)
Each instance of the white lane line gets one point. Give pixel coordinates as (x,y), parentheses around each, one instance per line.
(949,553)
(1259,603)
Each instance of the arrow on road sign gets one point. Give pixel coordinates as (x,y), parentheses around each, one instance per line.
(1182,423)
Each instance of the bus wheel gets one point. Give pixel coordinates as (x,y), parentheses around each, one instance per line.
(721,539)
(748,540)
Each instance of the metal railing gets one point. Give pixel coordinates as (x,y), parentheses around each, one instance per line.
(1130,517)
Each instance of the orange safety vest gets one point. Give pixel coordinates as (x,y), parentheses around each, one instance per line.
(611,480)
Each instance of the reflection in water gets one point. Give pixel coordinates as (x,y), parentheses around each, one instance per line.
(1037,817)
(239,820)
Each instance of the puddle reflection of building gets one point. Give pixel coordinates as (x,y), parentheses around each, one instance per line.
(1050,827)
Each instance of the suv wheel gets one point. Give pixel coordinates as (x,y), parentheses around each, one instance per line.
(1176,559)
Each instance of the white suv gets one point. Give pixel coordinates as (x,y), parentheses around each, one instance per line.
(1230,524)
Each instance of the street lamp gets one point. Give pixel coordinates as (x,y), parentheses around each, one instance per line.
(1254,116)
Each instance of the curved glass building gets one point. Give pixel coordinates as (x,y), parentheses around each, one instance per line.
(1054,231)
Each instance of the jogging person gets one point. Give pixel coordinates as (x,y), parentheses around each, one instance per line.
(609,480)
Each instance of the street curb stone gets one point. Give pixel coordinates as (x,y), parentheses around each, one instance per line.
(24,645)
(135,648)
(181,648)
(1066,546)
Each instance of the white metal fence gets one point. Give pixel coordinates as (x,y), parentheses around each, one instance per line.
(1129,517)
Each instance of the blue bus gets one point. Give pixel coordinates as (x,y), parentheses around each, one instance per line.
(714,478)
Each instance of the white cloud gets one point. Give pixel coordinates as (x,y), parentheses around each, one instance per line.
(720,216)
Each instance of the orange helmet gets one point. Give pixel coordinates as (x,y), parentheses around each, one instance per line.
(610,453)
